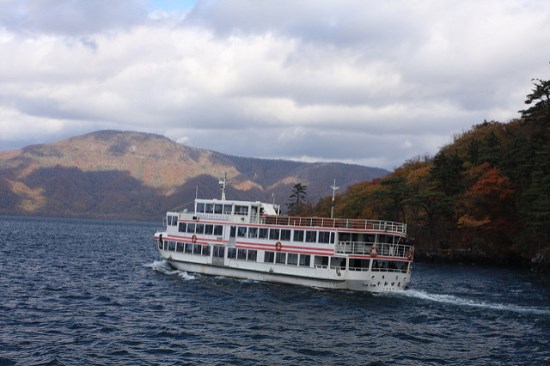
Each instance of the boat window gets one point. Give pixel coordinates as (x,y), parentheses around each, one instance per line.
(252,232)
(358,264)
(332,238)
(298,235)
(208,229)
(274,234)
(252,255)
(206,250)
(280,258)
(188,248)
(241,231)
(241,210)
(227,209)
(165,245)
(269,257)
(218,230)
(218,208)
(389,266)
(169,220)
(385,238)
(292,259)
(338,262)
(197,249)
(324,237)
(285,234)
(305,260)
(182,227)
(199,229)
(172,245)
(231,253)
(263,233)
(160,245)
(232,231)
(311,236)
(179,247)
(321,261)
(200,207)
(218,251)
(209,208)
(344,236)
(172,220)
(241,254)
(191,228)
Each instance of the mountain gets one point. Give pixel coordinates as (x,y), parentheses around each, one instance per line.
(138,176)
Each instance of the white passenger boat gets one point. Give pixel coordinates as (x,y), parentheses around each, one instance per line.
(251,240)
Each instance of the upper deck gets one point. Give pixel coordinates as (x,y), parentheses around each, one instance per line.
(268,214)
(351,224)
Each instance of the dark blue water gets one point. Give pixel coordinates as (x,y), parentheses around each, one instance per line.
(77,292)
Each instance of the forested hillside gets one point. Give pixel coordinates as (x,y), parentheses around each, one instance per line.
(484,197)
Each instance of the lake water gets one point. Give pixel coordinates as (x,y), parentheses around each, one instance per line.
(80,292)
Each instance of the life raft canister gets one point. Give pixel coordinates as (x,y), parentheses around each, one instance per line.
(373,251)
(194,239)
(278,246)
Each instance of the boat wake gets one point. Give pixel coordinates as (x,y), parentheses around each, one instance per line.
(165,268)
(458,301)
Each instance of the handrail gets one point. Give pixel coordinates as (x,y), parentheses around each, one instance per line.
(379,225)
(382,249)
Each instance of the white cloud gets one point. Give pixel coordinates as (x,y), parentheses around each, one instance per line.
(351,81)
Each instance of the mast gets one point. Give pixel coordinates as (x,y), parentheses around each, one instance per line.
(334,188)
(223,184)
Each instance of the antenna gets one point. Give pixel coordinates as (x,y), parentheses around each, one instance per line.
(334,188)
(223,184)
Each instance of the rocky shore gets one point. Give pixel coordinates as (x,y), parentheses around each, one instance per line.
(540,263)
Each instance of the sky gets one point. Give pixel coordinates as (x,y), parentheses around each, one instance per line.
(374,83)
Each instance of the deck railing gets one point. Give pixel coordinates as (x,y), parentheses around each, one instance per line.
(382,249)
(378,225)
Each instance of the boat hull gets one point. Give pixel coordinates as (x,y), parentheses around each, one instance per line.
(368,281)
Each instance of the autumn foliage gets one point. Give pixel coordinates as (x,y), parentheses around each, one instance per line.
(488,191)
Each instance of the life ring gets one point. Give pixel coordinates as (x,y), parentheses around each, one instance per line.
(373,251)
(278,246)
(411,254)
(194,239)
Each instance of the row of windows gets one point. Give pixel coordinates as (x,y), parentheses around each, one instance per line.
(207,229)
(185,247)
(293,259)
(309,236)
(219,208)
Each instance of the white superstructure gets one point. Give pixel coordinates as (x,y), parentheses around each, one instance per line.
(245,239)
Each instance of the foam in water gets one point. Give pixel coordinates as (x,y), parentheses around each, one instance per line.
(164,267)
(455,300)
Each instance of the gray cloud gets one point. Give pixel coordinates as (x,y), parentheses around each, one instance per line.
(71,17)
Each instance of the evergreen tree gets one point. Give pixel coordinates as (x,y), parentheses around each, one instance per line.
(297,199)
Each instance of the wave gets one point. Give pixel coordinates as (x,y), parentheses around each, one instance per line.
(164,267)
(455,300)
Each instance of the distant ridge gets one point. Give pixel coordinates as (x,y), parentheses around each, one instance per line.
(138,176)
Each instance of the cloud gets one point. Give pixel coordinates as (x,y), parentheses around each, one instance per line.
(70,17)
(354,81)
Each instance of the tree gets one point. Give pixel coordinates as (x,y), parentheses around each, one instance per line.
(539,112)
(297,199)
(487,206)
